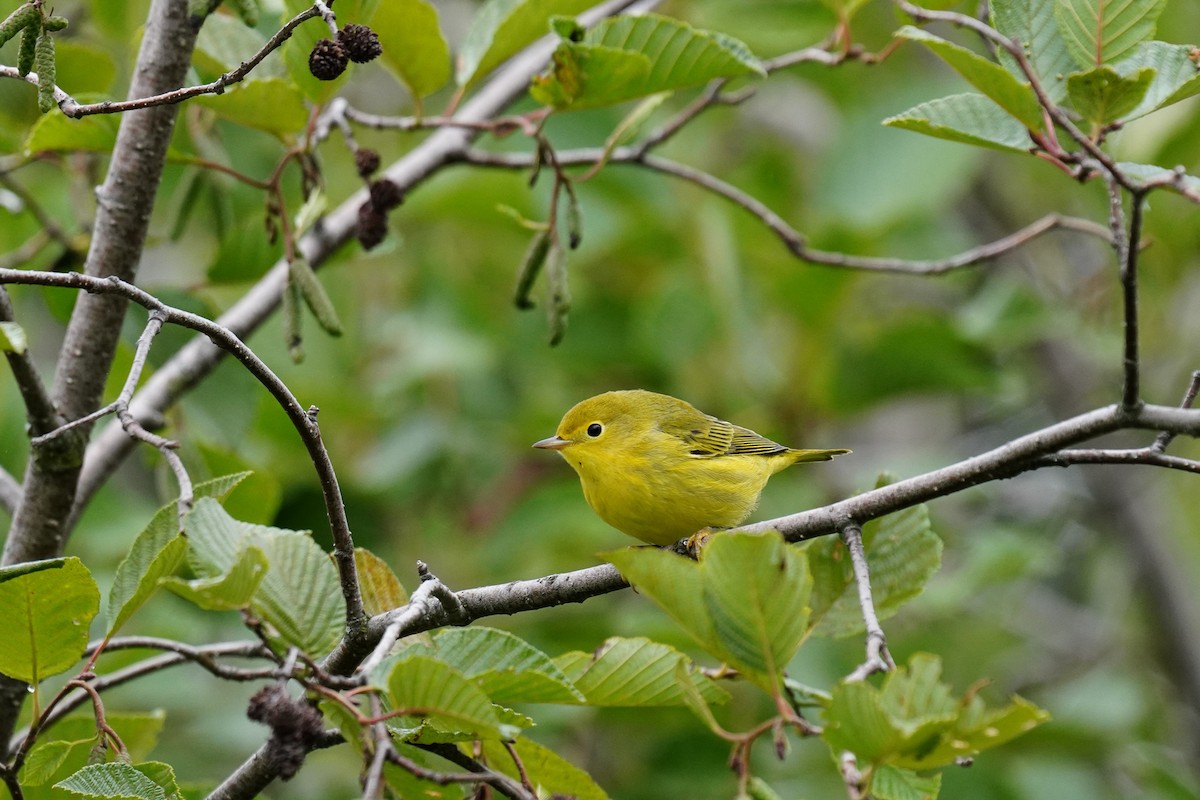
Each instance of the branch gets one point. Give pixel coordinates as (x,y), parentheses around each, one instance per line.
(878,658)
(305,422)
(1008,460)
(795,242)
(72,108)
(39,408)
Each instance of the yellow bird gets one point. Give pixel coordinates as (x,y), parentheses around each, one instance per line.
(658,469)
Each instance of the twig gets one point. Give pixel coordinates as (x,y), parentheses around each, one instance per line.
(303,421)
(1189,396)
(878,658)
(1149,456)
(76,110)
(1131,383)
(39,407)
(795,242)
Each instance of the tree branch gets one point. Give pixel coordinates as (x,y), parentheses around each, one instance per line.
(795,242)
(305,422)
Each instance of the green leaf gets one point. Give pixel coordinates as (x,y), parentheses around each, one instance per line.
(913,722)
(997,83)
(46,607)
(968,118)
(1032,23)
(979,729)
(113,780)
(57,132)
(501,28)
(1101,95)
(1099,32)
(12,338)
(894,783)
(902,552)
(229,591)
(299,598)
(272,105)
(552,774)
(435,691)
(505,666)
(756,591)
(381,589)
(414,49)
(636,672)
(74,737)
(745,601)
(627,57)
(45,758)
(156,553)
(1175,75)
(224,43)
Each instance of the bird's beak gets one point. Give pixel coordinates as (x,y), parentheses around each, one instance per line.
(553,443)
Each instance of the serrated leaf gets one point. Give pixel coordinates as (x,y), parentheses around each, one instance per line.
(912,721)
(893,783)
(1032,23)
(902,552)
(1101,96)
(979,729)
(272,105)
(46,607)
(501,28)
(414,48)
(441,695)
(549,772)
(74,737)
(627,57)
(12,338)
(745,601)
(967,118)
(994,81)
(113,780)
(1175,75)
(229,591)
(156,553)
(299,598)
(45,758)
(635,672)
(1098,32)
(756,591)
(381,589)
(505,666)
(671,581)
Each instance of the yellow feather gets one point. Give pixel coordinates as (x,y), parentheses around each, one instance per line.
(658,469)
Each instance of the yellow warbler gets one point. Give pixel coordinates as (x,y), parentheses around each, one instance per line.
(658,469)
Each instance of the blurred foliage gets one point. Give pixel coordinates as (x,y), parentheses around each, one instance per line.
(430,399)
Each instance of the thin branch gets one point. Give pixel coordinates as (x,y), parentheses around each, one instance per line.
(1131,384)
(131,426)
(1148,456)
(76,110)
(795,242)
(304,421)
(39,407)
(878,658)
(1189,396)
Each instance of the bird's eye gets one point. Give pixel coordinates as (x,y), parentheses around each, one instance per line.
(595,429)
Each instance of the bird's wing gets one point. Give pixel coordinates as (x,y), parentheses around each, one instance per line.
(707,437)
